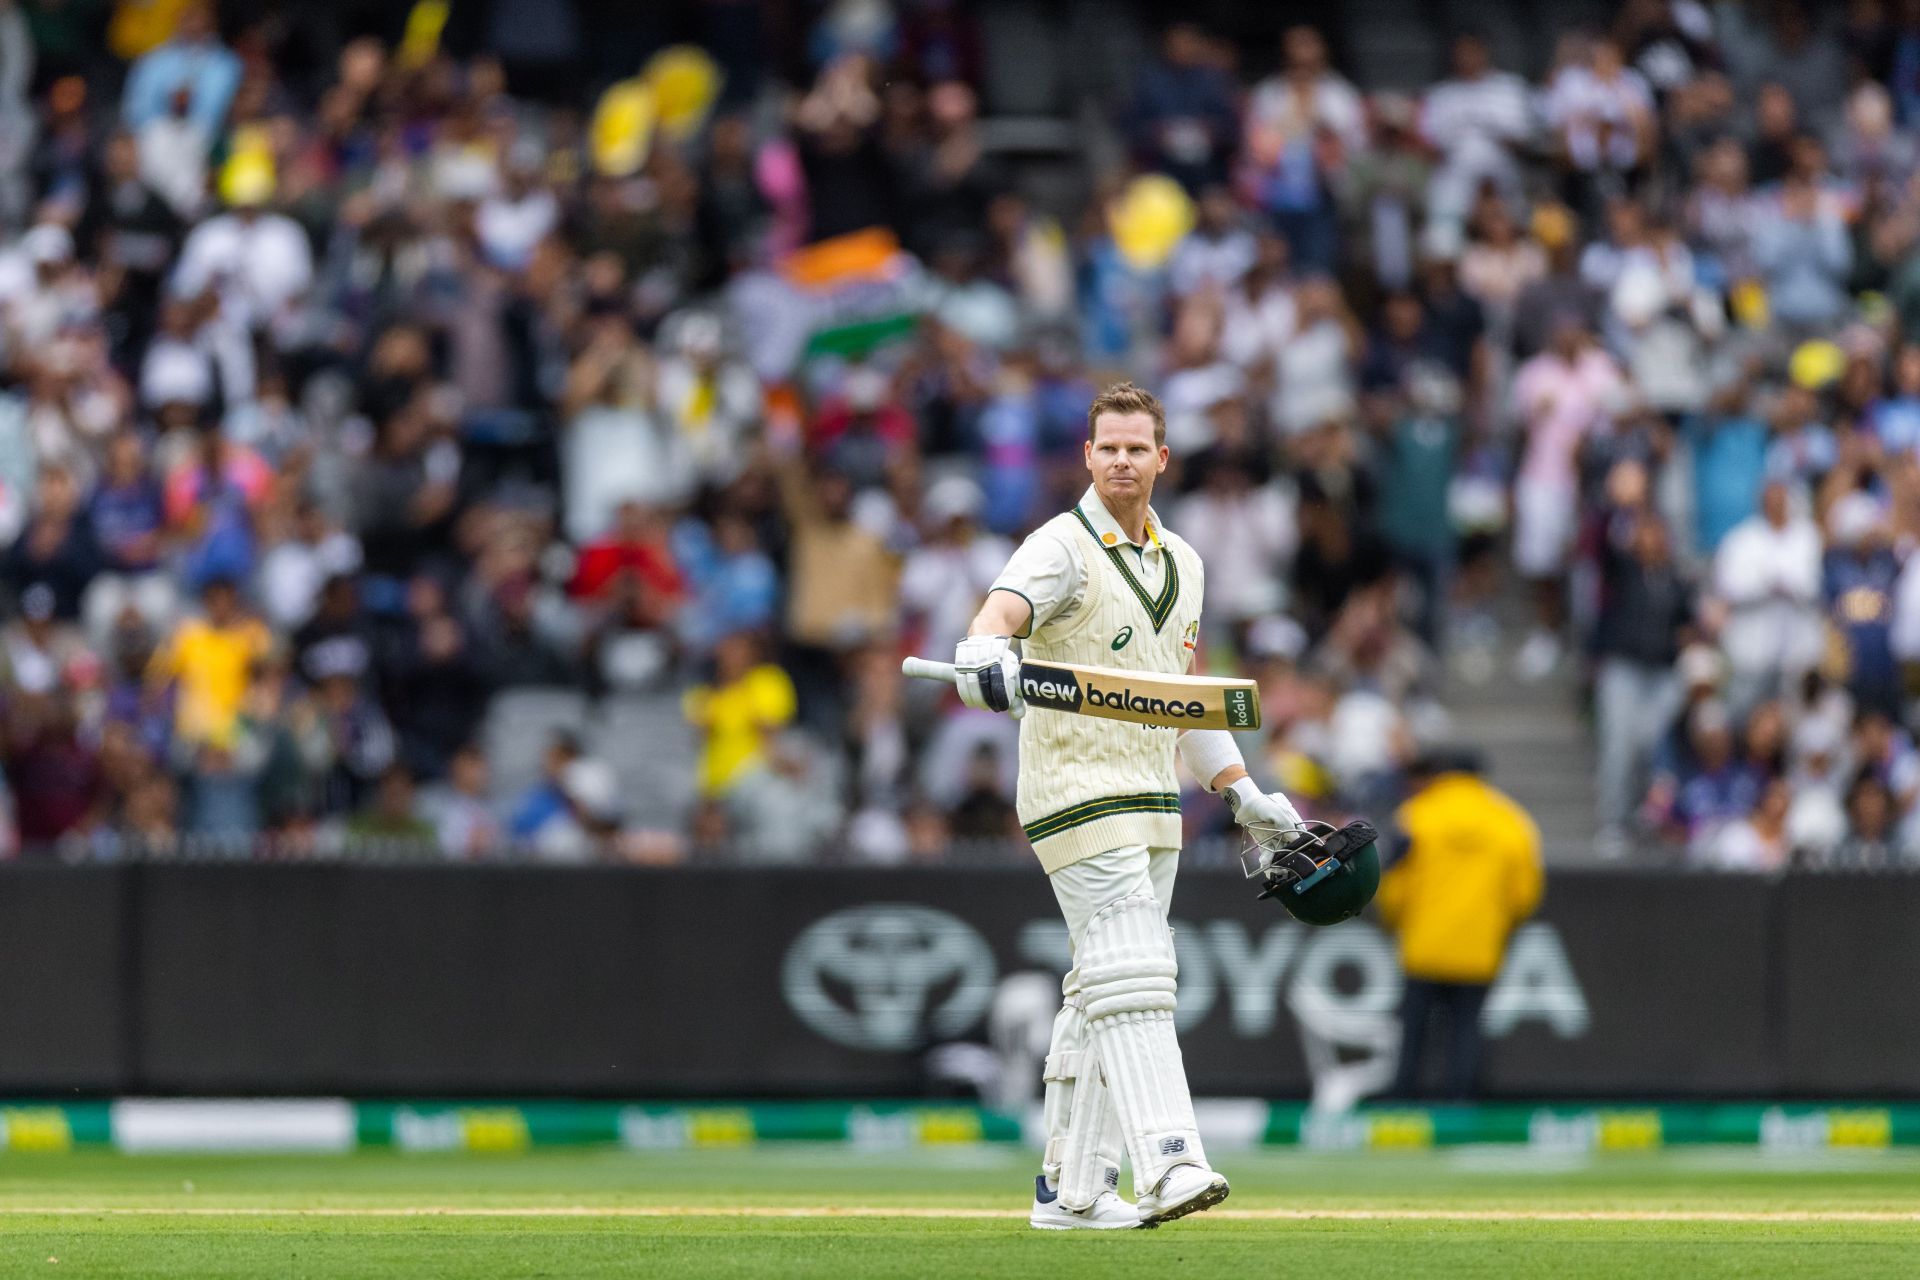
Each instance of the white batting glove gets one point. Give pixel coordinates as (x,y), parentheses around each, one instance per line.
(1262,813)
(989,674)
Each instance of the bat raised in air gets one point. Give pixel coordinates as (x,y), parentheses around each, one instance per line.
(1143,697)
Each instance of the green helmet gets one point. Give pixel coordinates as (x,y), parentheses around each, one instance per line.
(1323,875)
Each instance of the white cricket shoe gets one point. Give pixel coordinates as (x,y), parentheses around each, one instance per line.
(1108,1213)
(1187,1188)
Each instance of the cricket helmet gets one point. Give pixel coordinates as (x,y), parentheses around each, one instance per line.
(1320,873)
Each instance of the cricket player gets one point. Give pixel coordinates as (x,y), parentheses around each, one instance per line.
(1107,584)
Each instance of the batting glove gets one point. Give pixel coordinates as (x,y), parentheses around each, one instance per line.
(988,674)
(1262,813)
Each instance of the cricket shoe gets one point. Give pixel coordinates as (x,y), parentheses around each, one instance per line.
(1108,1213)
(1187,1188)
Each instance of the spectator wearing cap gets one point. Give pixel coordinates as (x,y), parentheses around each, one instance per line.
(1562,295)
(1859,575)
(708,395)
(944,578)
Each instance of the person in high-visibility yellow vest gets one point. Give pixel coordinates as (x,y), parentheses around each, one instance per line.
(1466,874)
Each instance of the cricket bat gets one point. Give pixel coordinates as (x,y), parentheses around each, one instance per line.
(1143,697)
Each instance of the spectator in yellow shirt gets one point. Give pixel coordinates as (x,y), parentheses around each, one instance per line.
(1467,874)
(210,661)
(738,714)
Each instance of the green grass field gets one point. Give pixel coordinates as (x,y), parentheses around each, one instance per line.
(820,1211)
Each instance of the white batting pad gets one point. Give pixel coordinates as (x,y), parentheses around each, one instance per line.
(1127,972)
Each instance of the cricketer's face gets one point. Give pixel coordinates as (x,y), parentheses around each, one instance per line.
(1123,458)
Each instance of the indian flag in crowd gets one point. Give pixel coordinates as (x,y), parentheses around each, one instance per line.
(857,291)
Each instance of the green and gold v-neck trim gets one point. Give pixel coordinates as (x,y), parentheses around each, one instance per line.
(1159,608)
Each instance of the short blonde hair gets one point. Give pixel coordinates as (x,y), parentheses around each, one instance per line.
(1124,398)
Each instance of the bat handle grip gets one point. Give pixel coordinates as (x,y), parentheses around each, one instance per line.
(927,669)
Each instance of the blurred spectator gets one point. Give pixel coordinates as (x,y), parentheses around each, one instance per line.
(208,662)
(1562,396)
(1767,572)
(1644,620)
(1478,119)
(1859,580)
(193,62)
(1803,255)
(748,702)
(1465,874)
(389,826)
(1181,120)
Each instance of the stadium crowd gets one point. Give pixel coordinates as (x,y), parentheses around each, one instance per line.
(364,394)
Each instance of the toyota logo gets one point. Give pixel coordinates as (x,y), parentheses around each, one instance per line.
(889,976)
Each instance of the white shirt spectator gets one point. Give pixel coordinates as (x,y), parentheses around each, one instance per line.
(1334,104)
(1906,612)
(1202,261)
(293,571)
(1188,395)
(1254,328)
(173,161)
(614,453)
(1771,584)
(1475,125)
(1315,378)
(1740,846)
(1247,537)
(945,581)
(175,371)
(1596,118)
(509,227)
(260,262)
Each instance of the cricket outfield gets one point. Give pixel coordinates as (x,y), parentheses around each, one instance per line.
(823,1211)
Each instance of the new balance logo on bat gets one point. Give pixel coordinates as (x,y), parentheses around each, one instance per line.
(1128,700)
(1062,692)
